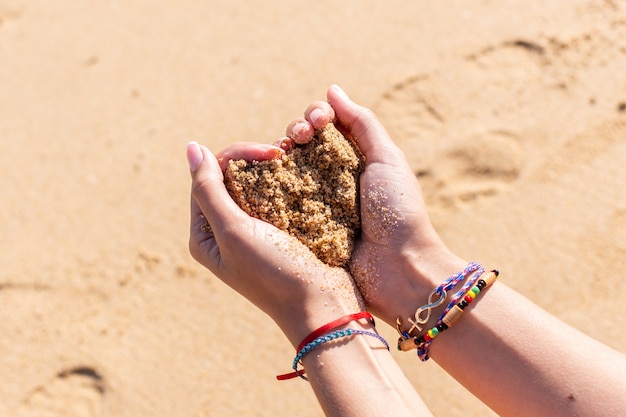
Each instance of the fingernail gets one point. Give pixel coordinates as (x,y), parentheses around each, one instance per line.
(286,144)
(300,132)
(277,152)
(318,118)
(299,128)
(194,155)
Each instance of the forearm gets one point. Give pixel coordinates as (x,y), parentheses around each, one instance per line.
(352,375)
(522,361)
(357,377)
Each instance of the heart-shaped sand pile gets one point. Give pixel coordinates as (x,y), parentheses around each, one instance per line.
(312,193)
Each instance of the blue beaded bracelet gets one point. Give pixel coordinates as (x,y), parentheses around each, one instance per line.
(327,338)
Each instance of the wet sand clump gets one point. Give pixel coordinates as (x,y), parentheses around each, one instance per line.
(312,193)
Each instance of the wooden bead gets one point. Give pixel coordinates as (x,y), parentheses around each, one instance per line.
(452,316)
(406,345)
(489,278)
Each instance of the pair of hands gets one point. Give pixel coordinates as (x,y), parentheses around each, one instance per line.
(397,259)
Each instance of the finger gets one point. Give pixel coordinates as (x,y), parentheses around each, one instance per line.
(248,151)
(209,191)
(285,143)
(201,230)
(319,114)
(300,130)
(198,222)
(362,124)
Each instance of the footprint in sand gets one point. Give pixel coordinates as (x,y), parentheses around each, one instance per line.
(8,14)
(472,129)
(453,125)
(74,392)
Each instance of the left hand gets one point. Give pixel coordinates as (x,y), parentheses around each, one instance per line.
(270,268)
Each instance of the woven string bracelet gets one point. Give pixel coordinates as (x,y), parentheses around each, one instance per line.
(333,325)
(323,330)
(452,316)
(422,343)
(327,338)
(469,283)
(441,291)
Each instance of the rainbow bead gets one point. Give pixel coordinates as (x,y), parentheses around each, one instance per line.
(423,342)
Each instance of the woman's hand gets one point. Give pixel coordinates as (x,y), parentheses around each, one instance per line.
(267,266)
(284,279)
(397,261)
(399,257)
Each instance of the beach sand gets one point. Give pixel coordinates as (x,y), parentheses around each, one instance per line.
(311,192)
(513,116)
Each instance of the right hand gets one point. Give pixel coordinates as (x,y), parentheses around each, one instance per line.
(399,257)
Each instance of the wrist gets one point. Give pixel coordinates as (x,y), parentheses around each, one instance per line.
(421,272)
(297,331)
(320,306)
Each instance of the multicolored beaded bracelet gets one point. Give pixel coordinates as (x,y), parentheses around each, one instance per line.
(469,283)
(441,291)
(423,342)
(327,338)
(449,318)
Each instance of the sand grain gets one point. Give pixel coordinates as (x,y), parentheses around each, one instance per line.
(312,193)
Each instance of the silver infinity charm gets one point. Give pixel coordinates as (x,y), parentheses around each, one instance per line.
(421,319)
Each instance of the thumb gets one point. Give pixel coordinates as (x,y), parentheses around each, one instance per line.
(208,189)
(363,125)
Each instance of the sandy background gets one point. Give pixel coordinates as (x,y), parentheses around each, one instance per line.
(513,114)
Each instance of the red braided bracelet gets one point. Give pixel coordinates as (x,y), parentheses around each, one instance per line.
(322,331)
(332,326)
